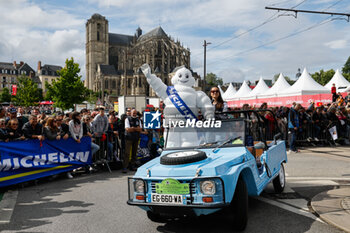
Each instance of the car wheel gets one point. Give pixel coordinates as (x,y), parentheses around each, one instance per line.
(182,157)
(280,181)
(154,217)
(239,206)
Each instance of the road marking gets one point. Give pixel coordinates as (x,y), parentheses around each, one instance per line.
(298,203)
(318,178)
(288,189)
(303,183)
(7,205)
(290,208)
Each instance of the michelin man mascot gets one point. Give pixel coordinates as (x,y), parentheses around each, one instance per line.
(182,103)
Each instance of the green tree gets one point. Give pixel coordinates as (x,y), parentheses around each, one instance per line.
(346,67)
(27,92)
(40,94)
(213,80)
(5,95)
(68,89)
(323,77)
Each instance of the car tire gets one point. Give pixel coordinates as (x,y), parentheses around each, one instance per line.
(280,181)
(182,157)
(239,206)
(155,217)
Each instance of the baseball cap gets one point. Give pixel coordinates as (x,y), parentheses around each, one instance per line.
(12,110)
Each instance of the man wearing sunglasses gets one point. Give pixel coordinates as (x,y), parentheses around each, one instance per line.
(33,129)
(13,116)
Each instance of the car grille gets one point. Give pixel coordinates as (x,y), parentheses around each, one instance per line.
(192,185)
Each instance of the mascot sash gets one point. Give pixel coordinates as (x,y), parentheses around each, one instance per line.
(179,103)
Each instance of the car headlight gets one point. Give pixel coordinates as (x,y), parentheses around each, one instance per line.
(208,187)
(139,186)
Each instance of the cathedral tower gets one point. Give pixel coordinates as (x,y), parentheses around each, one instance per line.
(96,47)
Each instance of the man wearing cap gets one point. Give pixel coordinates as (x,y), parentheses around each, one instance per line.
(13,115)
(20,115)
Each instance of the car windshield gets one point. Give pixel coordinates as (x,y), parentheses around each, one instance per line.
(206,137)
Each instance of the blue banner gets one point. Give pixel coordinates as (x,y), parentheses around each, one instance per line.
(31,159)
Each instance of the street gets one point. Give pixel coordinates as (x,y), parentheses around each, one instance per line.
(97,202)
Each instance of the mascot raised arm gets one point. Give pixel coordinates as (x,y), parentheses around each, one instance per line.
(182,103)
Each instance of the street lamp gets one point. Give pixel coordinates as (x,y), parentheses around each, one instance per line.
(205,64)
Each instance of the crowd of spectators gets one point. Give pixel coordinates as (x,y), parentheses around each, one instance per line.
(308,125)
(123,140)
(113,138)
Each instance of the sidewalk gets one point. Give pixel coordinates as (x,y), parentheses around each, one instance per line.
(333,207)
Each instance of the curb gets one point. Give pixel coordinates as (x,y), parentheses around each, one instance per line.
(333,207)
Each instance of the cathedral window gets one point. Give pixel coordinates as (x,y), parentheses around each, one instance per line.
(114,84)
(159,48)
(98,31)
(140,84)
(106,84)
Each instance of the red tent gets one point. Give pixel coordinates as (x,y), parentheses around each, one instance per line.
(46,102)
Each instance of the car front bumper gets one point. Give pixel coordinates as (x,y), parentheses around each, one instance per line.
(191,207)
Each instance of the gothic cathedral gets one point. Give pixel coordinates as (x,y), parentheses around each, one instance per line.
(113,60)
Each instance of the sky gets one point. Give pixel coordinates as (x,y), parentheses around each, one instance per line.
(247,41)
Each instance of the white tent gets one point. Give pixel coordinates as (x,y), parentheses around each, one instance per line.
(346,89)
(305,85)
(221,91)
(259,89)
(280,85)
(229,93)
(242,92)
(339,80)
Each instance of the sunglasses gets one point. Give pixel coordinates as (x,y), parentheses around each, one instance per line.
(14,124)
(214,91)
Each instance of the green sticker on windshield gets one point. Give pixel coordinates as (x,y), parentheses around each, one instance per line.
(237,141)
(172,186)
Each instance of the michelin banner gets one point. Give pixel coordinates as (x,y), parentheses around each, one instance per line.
(28,160)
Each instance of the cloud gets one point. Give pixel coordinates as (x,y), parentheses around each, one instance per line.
(232,75)
(337,44)
(52,33)
(28,15)
(34,33)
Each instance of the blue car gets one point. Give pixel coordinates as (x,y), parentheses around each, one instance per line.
(219,172)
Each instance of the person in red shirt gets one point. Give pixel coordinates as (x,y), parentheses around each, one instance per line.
(334,93)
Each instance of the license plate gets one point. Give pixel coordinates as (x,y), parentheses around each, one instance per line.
(167,199)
